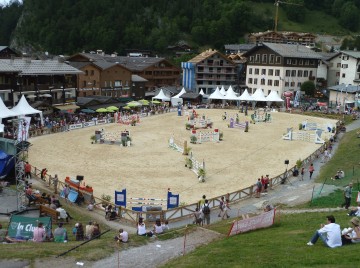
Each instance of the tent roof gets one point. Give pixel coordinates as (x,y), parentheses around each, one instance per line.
(246,96)
(4,111)
(161,96)
(273,96)
(259,95)
(180,93)
(216,95)
(201,92)
(23,108)
(222,90)
(230,94)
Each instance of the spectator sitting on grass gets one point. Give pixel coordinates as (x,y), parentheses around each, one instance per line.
(123,236)
(60,233)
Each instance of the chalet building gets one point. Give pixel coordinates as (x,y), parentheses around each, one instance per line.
(350,67)
(103,79)
(306,39)
(237,48)
(208,70)
(156,71)
(7,53)
(344,96)
(51,81)
(333,73)
(280,67)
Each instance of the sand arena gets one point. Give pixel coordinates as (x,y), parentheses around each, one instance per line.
(149,167)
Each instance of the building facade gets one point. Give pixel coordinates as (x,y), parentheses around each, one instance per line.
(280,67)
(350,68)
(207,71)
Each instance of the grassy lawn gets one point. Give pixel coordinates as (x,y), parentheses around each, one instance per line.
(282,245)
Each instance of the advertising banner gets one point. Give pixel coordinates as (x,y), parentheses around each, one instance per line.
(22,228)
(263,220)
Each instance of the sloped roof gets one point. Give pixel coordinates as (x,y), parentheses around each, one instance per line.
(230,94)
(4,111)
(41,67)
(258,95)
(180,93)
(245,96)
(23,108)
(161,96)
(345,88)
(216,95)
(206,54)
(137,78)
(6,68)
(352,53)
(273,96)
(293,51)
(190,95)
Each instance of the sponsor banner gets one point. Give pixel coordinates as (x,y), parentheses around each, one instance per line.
(23,131)
(22,228)
(75,126)
(263,220)
(100,122)
(89,124)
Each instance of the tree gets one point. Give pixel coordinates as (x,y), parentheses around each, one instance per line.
(308,87)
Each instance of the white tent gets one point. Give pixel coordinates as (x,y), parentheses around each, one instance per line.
(222,91)
(177,98)
(23,108)
(259,95)
(230,94)
(216,95)
(161,96)
(273,96)
(201,92)
(5,112)
(245,96)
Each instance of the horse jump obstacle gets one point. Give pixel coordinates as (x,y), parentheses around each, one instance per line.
(122,137)
(127,120)
(205,136)
(234,124)
(314,126)
(304,136)
(175,144)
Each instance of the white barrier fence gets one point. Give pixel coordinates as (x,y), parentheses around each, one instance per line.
(206,136)
(176,144)
(304,136)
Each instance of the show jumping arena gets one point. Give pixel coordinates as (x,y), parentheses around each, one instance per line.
(149,167)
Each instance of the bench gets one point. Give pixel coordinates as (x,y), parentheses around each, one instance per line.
(47,211)
(36,200)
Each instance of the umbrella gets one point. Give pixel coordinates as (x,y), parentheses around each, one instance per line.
(144,102)
(102,110)
(31,96)
(126,107)
(133,104)
(46,95)
(87,111)
(155,102)
(113,108)
(110,110)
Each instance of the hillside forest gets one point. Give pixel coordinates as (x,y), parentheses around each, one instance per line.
(69,26)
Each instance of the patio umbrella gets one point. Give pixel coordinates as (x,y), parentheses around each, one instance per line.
(155,102)
(87,111)
(110,110)
(133,104)
(126,108)
(113,108)
(144,102)
(102,110)
(31,96)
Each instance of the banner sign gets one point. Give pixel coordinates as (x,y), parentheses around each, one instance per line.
(263,220)
(100,122)
(23,131)
(89,124)
(172,200)
(120,198)
(75,126)
(22,228)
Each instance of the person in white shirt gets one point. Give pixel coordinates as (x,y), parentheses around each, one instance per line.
(330,234)
(122,237)
(141,228)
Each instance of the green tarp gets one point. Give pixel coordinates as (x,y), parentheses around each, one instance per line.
(21,227)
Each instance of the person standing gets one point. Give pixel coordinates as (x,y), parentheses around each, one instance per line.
(258,188)
(27,169)
(43,174)
(347,196)
(330,234)
(202,201)
(221,206)
(226,208)
(206,211)
(302,172)
(55,182)
(311,170)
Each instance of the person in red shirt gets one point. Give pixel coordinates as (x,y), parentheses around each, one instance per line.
(311,170)
(27,169)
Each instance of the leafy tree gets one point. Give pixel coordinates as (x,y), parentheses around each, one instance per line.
(349,16)
(308,87)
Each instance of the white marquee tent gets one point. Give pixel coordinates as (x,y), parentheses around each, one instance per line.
(5,112)
(216,95)
(177,98)
(273,97)
(259,95)
(24,108)
(161,96)
(223,91)
(245,96)
(230,94)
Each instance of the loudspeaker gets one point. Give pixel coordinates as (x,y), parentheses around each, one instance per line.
(286,162)
(79,177)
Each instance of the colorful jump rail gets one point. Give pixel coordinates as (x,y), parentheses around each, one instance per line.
(206,136)
(304,136)
(234,124)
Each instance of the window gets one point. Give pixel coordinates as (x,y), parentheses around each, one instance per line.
(306,73)
(263,71)
(256,71)
(105,83)
(255,81)
(288,61)
(118,83)
(286,84)
(343,75)
(307,62)
(300,73)
(278,59)
(92,72)
(262,81)
(252,59)
(294,61)
(312,62)
(94,83)
(292,84)
(344,66)
(301,62)
(86,72)
(293,73)
(287,73)
(277,72)
(337,74)
(250,70)
(84,83)
(127,83)
(210,69)
(310,73)
(264,58)
(272,59)
(271,72)
(338,65)
(250,80)
(299,84)
(257,58)
(345,57)
(269,83)
(276,83)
